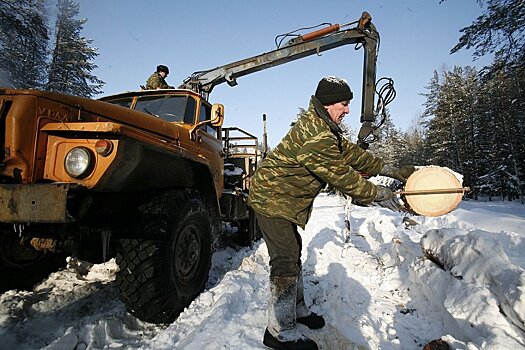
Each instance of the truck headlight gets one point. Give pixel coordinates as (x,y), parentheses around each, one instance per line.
(78,162)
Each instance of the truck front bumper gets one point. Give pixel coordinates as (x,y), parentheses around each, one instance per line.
(43,203)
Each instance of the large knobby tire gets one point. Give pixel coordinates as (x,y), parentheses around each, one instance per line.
(161,274)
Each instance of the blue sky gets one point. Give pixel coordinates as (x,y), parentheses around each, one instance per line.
(134,36)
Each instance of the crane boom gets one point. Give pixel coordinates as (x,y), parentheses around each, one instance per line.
(364,34)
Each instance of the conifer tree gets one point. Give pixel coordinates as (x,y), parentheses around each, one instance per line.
(458,96)
(390,145)
(440,135)
(503,169)
(500,106)
(23,43)
(414,144)
(499,30)
(452,121)
(476,128)
(71,64)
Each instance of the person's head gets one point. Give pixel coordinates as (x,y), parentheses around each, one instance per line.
(335,95)
(163,70)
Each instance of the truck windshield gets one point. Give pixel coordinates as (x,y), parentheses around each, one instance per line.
(124,102)
(170,108)
(174,108)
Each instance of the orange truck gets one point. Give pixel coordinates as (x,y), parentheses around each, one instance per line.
(149,177)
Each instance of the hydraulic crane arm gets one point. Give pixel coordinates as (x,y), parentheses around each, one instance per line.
(364,34)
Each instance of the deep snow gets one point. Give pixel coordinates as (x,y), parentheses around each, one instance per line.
(376,292)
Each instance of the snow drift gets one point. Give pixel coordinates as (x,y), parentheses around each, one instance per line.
(376,291)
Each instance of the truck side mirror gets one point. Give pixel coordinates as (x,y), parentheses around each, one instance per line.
(217,118)
(217,114)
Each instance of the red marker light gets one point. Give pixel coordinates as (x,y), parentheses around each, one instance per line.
(104,147)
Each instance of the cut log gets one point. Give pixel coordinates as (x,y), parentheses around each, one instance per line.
(420,191)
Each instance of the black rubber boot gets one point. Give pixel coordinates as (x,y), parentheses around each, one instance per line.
(282,332)
(312,321)
(300,344)
(304,315)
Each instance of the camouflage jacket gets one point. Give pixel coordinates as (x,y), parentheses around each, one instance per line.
(312,154)
(155,81)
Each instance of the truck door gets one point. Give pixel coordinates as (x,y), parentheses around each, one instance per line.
(210,144)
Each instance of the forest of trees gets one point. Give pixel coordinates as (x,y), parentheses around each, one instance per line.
(33,56)
(473,121)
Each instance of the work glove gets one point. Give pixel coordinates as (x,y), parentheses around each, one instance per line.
(387,199)
(383,194)
(402,174)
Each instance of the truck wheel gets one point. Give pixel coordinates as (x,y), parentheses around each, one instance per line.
(22,267)
(161,274)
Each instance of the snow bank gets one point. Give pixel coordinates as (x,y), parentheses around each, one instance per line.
(478,258)
(375,289)
(73,309)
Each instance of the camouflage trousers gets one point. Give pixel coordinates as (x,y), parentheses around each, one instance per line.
(284,246)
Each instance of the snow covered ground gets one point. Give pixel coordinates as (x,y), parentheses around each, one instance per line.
(376,292)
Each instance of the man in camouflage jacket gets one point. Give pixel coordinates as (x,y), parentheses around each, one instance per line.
(313,153)
(157,80)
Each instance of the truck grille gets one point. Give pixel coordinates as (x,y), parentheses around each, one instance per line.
(4,109)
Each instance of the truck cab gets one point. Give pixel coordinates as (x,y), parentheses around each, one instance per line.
(131,142)
(102,178)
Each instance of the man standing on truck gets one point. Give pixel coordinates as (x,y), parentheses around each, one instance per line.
(313,153)
(158,79)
